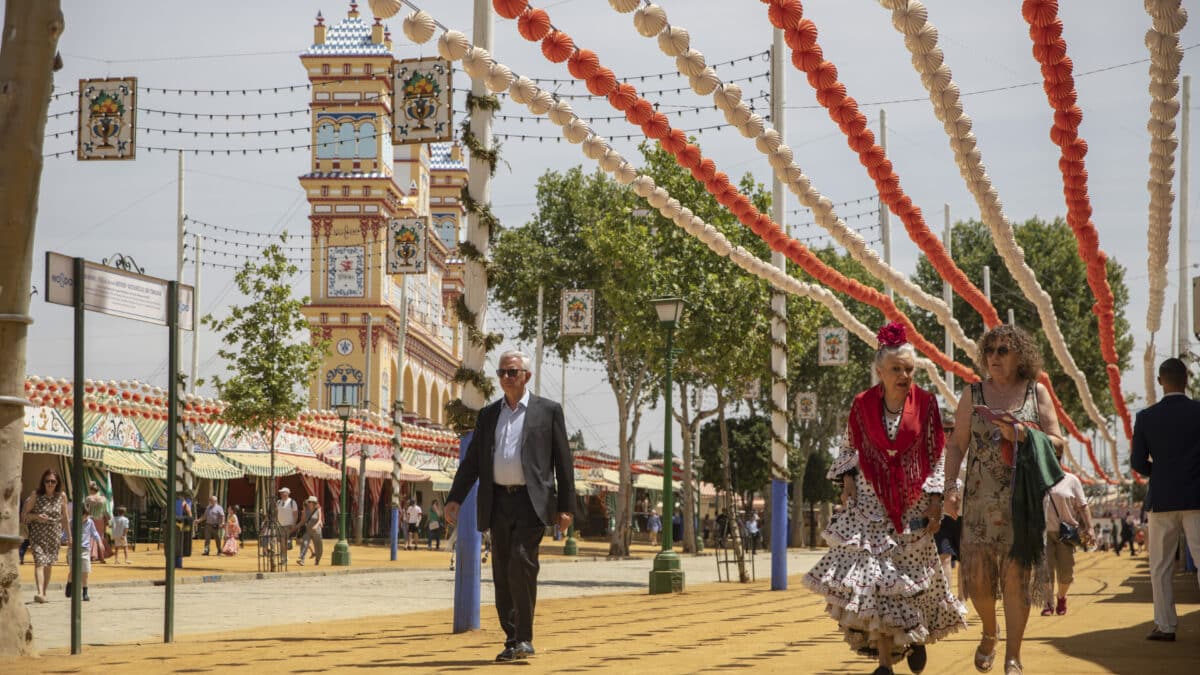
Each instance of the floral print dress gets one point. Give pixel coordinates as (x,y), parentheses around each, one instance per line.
(987,533)
(878,581)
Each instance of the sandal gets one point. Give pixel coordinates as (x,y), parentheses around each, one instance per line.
(1013,667)
(984,662)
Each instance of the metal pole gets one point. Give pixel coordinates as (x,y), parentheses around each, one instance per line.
(195,304)
(398,416)
(361,488)
(180,224)
(1184,323)
(885,218)
(779,388)
(173,546)
(667,575)
(948,297)
(341,550)
(541,344)
(571,545)
(76,552)
(466,553)
(1012,319)
(987,282)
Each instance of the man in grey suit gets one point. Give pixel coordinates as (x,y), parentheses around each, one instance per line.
(519,454)
(1166,447)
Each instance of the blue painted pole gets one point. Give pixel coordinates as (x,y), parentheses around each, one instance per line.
(395,530)
(779,532)
(466,553)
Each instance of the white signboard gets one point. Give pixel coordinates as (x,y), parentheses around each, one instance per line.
(116,292)
(578,312)
(832,346)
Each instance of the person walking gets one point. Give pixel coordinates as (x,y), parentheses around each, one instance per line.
(1065,503)
(120,533)
(96,506)
(214,519)
(89,540)
(1007,429)
(519,454)
(881,579)
(311,524)
(1127,525)
(435,526)
(233,530)
(1166,447)
(412,521)
(45,514)
(287,514)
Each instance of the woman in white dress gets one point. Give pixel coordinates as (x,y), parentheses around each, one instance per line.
(881,578)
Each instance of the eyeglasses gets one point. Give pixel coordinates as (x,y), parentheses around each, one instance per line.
(49,481)
(1002,350)
(509,372)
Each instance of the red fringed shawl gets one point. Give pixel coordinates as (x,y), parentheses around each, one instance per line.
(897,469)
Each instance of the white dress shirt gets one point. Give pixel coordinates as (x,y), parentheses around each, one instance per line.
(506,460)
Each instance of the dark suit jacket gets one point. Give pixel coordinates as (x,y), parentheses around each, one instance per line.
(1168,433)
(544,453)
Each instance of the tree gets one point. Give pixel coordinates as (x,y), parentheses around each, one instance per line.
(575,440)
(270,368)
(583,236)
(1051,251)
(749,445)
(817,488)
(28,57)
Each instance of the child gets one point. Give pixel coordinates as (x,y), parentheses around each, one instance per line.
(120,532)
(91,539)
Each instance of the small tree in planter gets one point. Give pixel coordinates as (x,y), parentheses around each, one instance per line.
(271,358)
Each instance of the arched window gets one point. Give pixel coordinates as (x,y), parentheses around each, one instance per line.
(326,138)
(345,148)
(367,141)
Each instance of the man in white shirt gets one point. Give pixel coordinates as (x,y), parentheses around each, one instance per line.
(287,514)
(412,518)
(1063,503)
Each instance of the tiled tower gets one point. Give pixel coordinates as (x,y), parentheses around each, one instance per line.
(356,183)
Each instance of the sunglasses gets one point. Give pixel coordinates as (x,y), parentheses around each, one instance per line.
(509,372)
(1002,350)
(49,481)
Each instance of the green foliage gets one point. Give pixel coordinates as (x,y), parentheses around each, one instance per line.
(266,347)
(575,440)
(749,451)
(817,488)
(1052,253)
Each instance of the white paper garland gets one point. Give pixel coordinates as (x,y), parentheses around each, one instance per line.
(947,104)
(1162,41)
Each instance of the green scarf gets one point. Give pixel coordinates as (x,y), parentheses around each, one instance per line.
(1037,471)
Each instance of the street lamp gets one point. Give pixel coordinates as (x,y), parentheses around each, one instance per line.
(341,550)
(667,575)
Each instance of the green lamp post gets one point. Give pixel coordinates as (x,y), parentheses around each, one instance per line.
(341,550)
(667,575)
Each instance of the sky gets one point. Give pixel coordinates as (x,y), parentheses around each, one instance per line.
(97,209)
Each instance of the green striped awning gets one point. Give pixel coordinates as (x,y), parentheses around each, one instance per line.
(207,465)
(257,463)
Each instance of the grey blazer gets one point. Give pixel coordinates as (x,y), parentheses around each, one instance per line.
(545,456)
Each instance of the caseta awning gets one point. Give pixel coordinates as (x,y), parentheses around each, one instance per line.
(55,445)
(311,466)
(133,463)
(207,465)
(382,468)
(257,463)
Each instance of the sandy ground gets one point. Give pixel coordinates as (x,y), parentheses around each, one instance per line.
(711,627)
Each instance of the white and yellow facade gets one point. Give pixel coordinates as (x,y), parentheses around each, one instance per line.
(357,182)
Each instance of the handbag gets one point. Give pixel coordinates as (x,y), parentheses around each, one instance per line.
(1067,534)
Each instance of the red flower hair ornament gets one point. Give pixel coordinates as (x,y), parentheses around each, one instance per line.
(892,335)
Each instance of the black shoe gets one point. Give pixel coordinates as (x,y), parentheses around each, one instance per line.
(523,650)
(85,596)
(883,670)
(916,659)
(69,584)
(507,655)
(1160,636)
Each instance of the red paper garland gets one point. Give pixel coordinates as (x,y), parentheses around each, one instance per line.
(1050,50)
(844,110)
(657,126)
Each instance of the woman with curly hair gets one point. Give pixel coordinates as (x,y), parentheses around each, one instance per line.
(882,578)
(1007,429)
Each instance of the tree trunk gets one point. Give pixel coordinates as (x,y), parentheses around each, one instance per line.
(27,61)
(617,546)
(685,456)
(796,525)
(628,393)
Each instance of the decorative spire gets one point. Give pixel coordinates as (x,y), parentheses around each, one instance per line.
(320,19)
(353,13)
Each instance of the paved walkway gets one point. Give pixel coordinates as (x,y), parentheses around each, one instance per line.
(710,628)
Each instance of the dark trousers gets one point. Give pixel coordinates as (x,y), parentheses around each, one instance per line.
(516,535)
(212,532)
